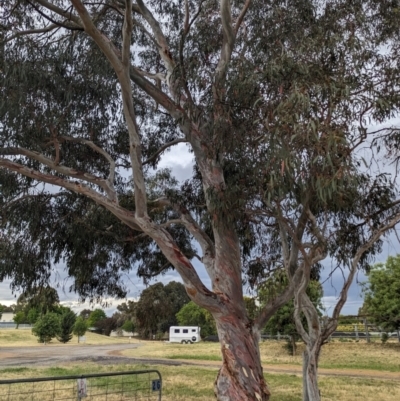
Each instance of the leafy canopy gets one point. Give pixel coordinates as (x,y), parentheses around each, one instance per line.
(47,327)
(382,294)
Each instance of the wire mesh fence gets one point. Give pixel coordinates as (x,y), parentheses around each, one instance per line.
(143,385)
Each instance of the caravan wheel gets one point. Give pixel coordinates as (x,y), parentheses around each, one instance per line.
(183,342)
(188,342)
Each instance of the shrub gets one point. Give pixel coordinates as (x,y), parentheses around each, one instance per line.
(67,321)
(80,327)
(47,327)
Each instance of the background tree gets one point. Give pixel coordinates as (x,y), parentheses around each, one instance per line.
(67,322)
(283,321)
(126,315)
(272,98)
(19,318)
(85,313)
(157,307)
(382,295)
(106,325)
(1,311)
(8,309)
(193,315)
(128,326)
(95,316)
(47,327)
(80,327)
(33,315)
(44,299)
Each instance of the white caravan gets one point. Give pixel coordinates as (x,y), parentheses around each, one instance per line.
(184,334)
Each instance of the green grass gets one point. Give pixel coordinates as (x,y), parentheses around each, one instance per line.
(25,338)
(14,370)
(195,383)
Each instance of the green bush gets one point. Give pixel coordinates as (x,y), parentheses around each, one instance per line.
(47,327)
(384,338)
(80,327)
(67,322)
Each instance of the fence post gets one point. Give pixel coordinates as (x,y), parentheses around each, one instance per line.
(366,330)
(356,330)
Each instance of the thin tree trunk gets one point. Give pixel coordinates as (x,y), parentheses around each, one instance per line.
(313,340)
(241,375)
(293,345)
(310,372)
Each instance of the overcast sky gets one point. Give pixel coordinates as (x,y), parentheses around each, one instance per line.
(180,161)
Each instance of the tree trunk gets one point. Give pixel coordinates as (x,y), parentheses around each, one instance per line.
(293,339)
(310,372)
(241,375)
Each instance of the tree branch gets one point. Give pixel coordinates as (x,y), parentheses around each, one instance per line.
(228,42)
(242,15)
(58,23)
(63,13)
(331,326)
(30,32)
(122,69)
(164,147)
(91,144)
(122,214)
(277,302)
(164,50)
(67,171)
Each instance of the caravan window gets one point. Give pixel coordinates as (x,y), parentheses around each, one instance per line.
(193,330)
(176,331)
(185,331)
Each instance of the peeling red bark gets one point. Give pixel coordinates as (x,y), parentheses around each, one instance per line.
(241,375)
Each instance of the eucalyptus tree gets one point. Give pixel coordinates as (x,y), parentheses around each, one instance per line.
(265,95)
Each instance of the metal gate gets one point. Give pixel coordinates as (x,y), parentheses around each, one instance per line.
(117,386)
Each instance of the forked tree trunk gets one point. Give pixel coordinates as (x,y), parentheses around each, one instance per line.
(241,375)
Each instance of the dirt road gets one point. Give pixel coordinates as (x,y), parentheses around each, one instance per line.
(111,354)
(56,355)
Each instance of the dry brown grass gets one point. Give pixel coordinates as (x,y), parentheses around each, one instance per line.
(25,338)
(361,355)
(156,349)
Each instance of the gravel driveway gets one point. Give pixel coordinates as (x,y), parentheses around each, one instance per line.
(56,355)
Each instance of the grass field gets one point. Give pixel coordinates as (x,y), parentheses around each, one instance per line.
(24,337)
(195,383)
(190,383)
(335,355)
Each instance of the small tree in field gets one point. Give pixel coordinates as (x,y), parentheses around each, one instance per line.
(19,318)
(95,316)
(67,322)
(47,327)
(80,327)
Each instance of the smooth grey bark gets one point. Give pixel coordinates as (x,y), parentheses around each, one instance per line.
(314,337)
